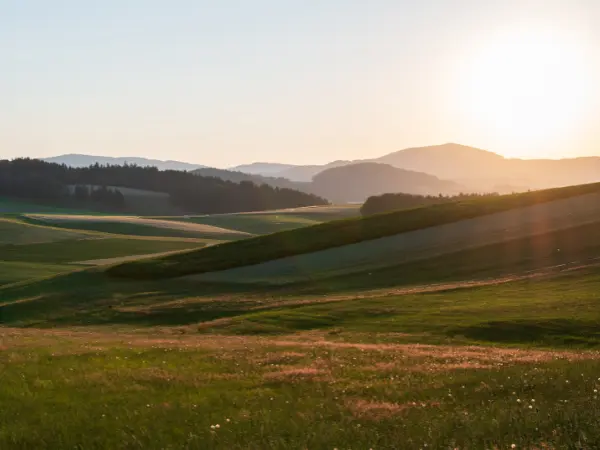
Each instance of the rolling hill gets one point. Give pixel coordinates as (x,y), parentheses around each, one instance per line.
(325,236)
(356,182)
(477,169)
(352,183)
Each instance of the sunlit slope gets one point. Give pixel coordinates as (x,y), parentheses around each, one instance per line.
(538,212)
(132,225)
(30,251)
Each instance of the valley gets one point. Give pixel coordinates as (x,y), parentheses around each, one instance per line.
(477,318)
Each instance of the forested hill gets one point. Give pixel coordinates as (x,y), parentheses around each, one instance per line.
(37,180)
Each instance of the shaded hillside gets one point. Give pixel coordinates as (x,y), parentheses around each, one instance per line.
(336,234)
(352,183)
(238,177)
(356,182)
(392,202)
(476,169)
(76,160)
(53,184)
(306,173)
(260,168)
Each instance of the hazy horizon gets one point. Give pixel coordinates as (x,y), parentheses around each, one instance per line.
(301,82)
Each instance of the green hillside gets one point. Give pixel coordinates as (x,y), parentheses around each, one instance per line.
(336,234)
(267,222)
(477,344)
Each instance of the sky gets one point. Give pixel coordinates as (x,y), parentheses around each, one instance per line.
(298,81)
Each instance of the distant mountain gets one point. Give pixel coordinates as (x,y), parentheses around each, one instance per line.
(238,177)
(306,173)
(357,182)
(262,168)
(476,169)
(76,160)
(484,170)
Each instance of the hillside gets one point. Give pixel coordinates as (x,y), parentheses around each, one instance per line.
(98,188)
(238,177)
(478,170)
(259,168)
(357,182)
(338,233)
(77,160)
(352,183)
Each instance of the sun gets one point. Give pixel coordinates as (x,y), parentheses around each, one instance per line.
(527,88)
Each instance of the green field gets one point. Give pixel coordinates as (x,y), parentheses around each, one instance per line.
(350,231)
(495,345)
(274,221)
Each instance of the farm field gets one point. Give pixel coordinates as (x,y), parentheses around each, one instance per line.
(265,222)
(131,225)
(494,344)
(533,212)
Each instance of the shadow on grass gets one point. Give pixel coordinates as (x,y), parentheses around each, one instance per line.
(91,298)
(547,331)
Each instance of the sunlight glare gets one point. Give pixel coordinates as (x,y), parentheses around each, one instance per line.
(526,88)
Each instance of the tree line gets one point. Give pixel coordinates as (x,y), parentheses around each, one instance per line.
(97,186)
(391,202)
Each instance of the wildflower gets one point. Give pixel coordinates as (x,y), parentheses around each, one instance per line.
(513,446)
(595,391)
(212,427)
(227,420)
(530,407)
(533,400)
(217,426)
(518,400)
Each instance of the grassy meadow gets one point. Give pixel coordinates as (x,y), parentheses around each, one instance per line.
(490,346)
(344,233)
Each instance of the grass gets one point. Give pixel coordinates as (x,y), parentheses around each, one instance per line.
(379,264)
(465,350)
(14,206)
(90,249)
(16,232)
(91,390)
(130,229)
(335,234)
(266,222)
(256,223)
(11,272)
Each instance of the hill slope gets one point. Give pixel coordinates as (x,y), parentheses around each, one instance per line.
(477,169)
(357,182)
(336,234)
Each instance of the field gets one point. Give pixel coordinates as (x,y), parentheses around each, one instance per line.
(491,342)
(273,221)
(581,201)
(130,225)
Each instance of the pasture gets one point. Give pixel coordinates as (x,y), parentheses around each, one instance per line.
(266,222)
(281,369)
(492,341)
(569,206)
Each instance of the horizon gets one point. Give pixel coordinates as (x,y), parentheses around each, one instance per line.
(232,84)
(234,166)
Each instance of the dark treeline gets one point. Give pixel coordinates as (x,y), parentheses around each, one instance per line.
(45,182)
(391,202)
